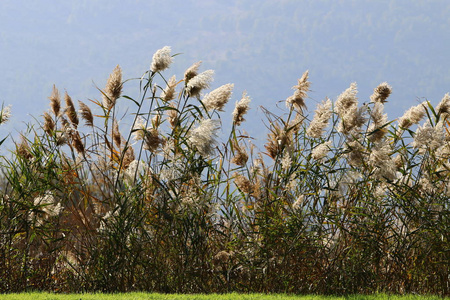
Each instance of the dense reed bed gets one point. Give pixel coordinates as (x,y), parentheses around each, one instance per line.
(339,201)
(228,296)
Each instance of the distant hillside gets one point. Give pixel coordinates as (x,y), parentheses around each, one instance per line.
(261,46)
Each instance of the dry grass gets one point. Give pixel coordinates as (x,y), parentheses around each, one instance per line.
(339,202)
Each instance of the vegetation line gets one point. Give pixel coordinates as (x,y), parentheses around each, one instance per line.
(140,194)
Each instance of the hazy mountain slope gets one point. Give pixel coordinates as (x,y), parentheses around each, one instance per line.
(261,46)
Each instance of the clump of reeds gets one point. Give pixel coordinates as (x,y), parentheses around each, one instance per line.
(339,201)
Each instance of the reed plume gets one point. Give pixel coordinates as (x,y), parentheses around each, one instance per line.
(352,117)
(161,60)
(128,157)
(138,129)
(347,100)
(277,140)
(203,137)
(86,114)
(49,124)
(191,72)
(240,157)
(381,93)
(23,149)
(116,134)
(301,89)
(378,128)
(243,183)
(218,98)
(5,114)
(240,109)
(321,119)
(172,115)
(429,137)
(113,89)
(55,101)
(152,140)
(199,82)
(443,107)
(77,143)
(413,115)
(169,92)
(320,151)
(71,111)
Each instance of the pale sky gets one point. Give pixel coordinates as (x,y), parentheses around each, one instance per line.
(262,47)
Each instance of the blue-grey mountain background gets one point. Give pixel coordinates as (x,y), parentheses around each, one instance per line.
(262,47)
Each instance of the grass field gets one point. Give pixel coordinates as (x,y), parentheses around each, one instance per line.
(233,296)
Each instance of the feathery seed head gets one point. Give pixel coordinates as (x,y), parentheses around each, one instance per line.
(168,93)
(356,155)
(175,169)
(444,106)
(61,138)
(378,129)
(286,161)
(241,109)
(347,100)
(5,114)
(49,124)
(199,82)
(399,161)
(243,183)
(23,149)
(113,88)
(47,204)
(278,139)
(55,101)
(71,111)
(353,120)
(218,98)
(191,72)
(428,136)
(380,153)
(86,114)
(301,89)
(161,60)
(204,136)
(150,136)
(413,115)
(321,151)
(298,202)
(321,119)
(381,93)
(128,157)
(138,129)
(376,134)
(134,170)
(377,114)
(172,115)
(380,159)
(77,143)
(116,133)
(295,124)
(240,157)
(152,140)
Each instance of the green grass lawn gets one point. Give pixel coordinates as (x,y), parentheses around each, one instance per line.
(146,296)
